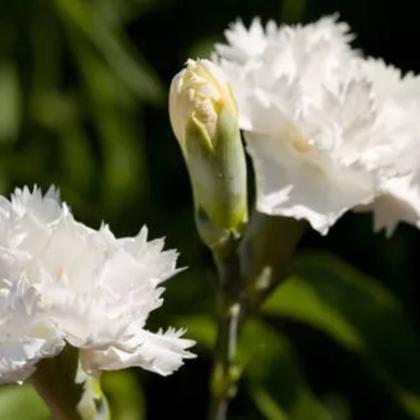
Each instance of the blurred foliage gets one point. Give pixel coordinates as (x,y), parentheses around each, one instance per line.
(124,394)
(83,105)
(21,402)
(361,315)
(71,86)
(328,295)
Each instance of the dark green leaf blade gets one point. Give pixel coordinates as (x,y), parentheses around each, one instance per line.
(361,315)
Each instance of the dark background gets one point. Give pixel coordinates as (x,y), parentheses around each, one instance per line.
(83,91)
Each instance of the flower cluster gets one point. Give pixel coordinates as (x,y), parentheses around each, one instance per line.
(65,283)
(328,130)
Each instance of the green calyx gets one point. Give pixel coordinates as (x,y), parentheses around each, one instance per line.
(217,170)
(69,394)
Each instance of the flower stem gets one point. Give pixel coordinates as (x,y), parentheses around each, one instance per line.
(226,372)
(248,270)
(55,380)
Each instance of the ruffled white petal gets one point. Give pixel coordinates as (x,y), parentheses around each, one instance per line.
(162,353)
(27,334)
(399,202)
(398,151)
(158,264)
(244,43)
(302,189)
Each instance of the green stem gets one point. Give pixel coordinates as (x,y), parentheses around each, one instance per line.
(226,372)
(54,380)
(68,399)
(248,272)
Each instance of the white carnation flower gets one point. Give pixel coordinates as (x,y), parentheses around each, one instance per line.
(319,135)
(304,118)
(63,282)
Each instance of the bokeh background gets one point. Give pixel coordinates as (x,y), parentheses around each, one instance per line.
(83,105)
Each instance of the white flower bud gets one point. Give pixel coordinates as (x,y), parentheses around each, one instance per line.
(199,92)
(204,118)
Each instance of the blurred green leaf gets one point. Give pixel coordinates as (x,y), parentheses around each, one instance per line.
(10,102)
(21,402)
(124,169)
(115,47)
(125,11)
(272,370)
(337,405)
(77,158)
(53,110)
(201,328)
(266,404)
(48,48)
(361,315)
(124,395)
(124,175)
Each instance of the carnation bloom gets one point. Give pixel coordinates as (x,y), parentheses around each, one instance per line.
(312,120)
(63,282)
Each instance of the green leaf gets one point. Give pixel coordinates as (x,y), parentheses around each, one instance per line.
(21,402)
(124,166)
(10,103)
(360,314)
(272,372)
(124,395)
(76,157)
(270,369)
(266,404)
(200,328)
(115,47)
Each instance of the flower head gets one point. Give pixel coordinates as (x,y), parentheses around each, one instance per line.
(319,133)
(63,282)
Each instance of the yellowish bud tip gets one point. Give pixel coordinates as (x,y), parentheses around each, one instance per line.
(199,92)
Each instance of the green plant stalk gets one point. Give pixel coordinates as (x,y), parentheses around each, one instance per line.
(217,169)
(248,270)
(226,372)
(55,381)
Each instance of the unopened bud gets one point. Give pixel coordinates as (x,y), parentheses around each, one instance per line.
(204,118)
